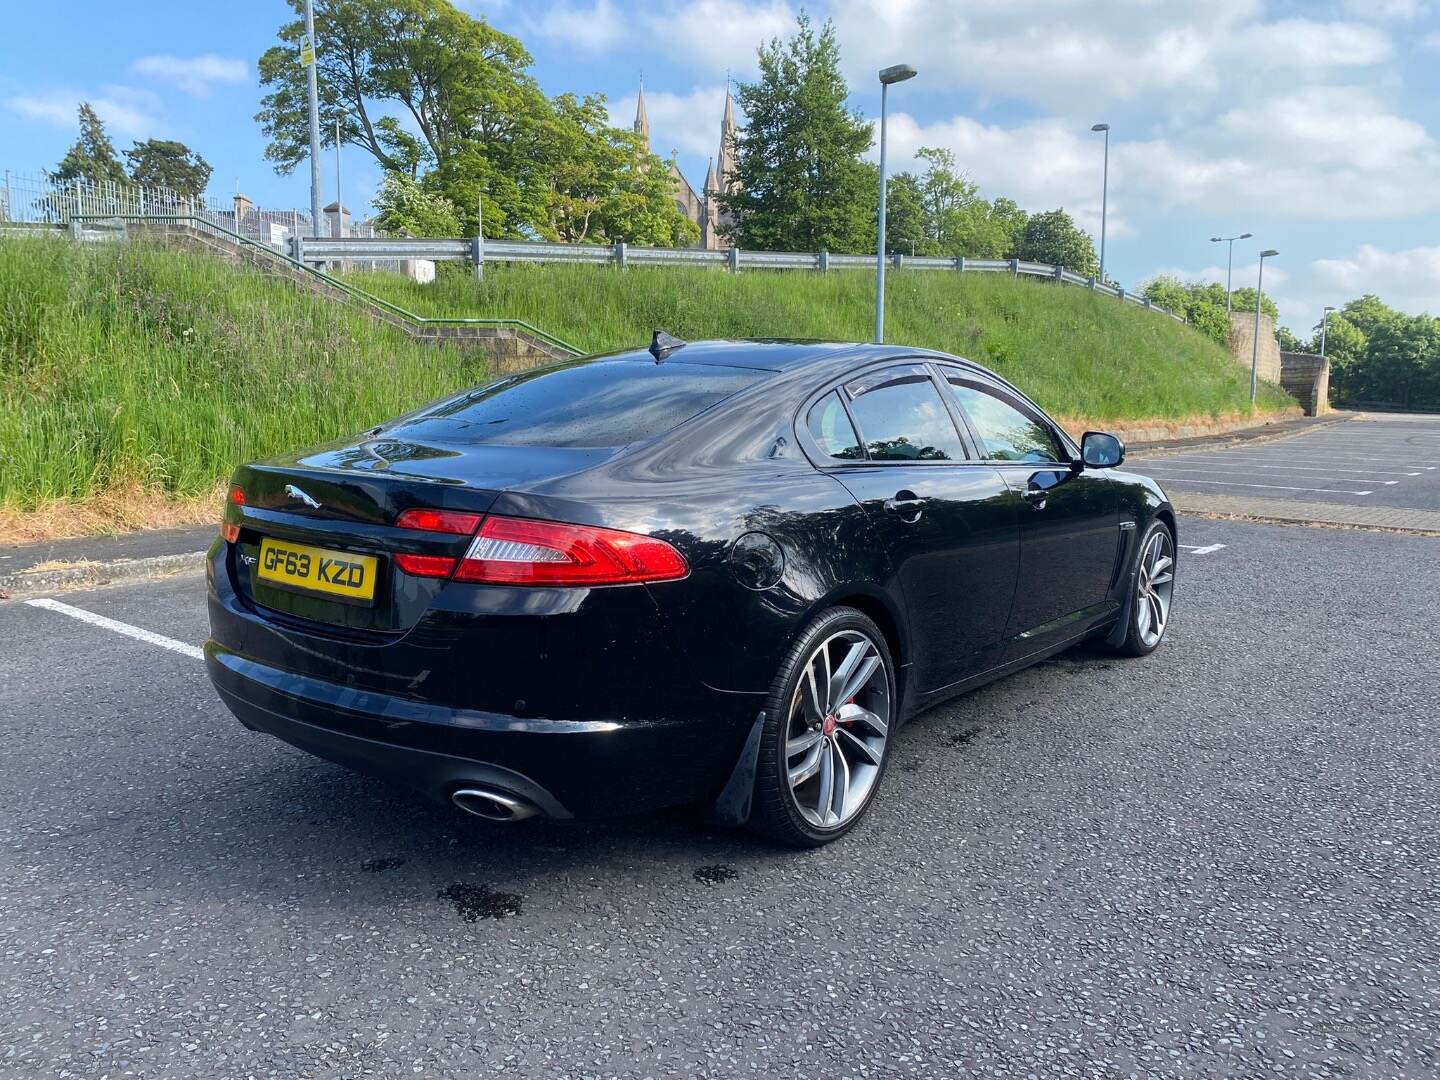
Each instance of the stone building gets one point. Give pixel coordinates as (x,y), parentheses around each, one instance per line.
(702,208)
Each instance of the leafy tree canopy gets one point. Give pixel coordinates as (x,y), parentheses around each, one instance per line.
(167,164)
(802,183)
(92,157)
(1054,237)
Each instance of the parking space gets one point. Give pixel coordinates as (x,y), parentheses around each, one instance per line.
(1392,462)
(1217,861)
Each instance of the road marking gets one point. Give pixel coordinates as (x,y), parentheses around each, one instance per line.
(1251,463)
(120,628)
(1207,466)
(1268,487)
(1206,550)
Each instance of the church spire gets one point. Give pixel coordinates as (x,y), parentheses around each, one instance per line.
(642,118)
(728,133)
(712,186)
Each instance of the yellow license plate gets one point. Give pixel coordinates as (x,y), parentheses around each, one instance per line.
(318,570)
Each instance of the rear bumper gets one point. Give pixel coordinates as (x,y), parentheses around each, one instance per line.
(566,768)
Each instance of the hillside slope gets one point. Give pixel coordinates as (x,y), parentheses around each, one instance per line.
(138,372)
(1084,357)
(133,379)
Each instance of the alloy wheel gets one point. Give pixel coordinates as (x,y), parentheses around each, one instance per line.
(1154,584)
(839,725)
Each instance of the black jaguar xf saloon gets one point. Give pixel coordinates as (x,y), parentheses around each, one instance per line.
(723,572)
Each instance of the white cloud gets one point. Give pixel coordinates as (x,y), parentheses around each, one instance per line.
(689,123)
(597,28)
(718,35)
(1407,279)
(125,110)
(196,75)
(1305,44)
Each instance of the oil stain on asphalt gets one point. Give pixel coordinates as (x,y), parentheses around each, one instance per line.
(957,739)
(380,865)
(715,874)
(474,902)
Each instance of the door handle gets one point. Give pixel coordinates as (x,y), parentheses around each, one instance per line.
(1035,495)
(906,505)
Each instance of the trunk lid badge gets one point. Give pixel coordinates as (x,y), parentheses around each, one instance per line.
(297,493)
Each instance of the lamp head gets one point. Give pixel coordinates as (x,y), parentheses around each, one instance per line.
(897,73)
(1100,127)
(1329,308)
(1268,252)
(1244,236)
(1217,239)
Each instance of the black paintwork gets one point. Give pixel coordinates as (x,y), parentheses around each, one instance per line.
(603,700)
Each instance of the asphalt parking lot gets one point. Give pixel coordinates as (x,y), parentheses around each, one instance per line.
(1374,460)
(1218,861)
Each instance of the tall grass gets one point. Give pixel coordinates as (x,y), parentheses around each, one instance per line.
(127,367)
(1079,355)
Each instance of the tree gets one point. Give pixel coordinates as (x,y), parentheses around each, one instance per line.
(166,164)
(1202,304)
(905,216)
(1006,213)
(1244,300)
(957,220)
(603,184)
(402,206)
(802,185)
(1289,342)
(92,157)
(1054,237)
(462,85)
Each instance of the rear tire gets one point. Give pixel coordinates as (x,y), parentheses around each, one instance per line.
(829,722)
(1152,585)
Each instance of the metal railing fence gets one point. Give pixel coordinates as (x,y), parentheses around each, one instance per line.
(26,200)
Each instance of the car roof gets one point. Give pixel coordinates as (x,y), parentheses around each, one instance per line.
(779,354)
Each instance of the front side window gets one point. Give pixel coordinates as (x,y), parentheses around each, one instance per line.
(902,417)
(1007,433)
(831,429)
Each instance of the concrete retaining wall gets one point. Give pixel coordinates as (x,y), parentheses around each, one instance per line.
(1306,378)
(1242,337)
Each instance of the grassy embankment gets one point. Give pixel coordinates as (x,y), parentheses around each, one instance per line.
(132,379)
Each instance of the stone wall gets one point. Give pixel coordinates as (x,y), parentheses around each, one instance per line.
(1242,337)
(1306,378)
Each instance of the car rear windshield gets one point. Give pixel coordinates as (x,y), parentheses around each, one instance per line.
(592,403)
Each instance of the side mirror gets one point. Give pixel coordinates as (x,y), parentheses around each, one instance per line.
(1101,450)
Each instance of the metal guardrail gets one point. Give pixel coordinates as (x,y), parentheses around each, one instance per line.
(205,226)
(479,252)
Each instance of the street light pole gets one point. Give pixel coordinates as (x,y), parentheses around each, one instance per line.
(314,90)
(339,201)
(1255,343)
(1229,260)
(1324,325)
(895,74)
(1104,196)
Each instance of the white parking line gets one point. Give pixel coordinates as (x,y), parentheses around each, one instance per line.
(119,627)
(1248,463)
(1268,487)
(1206,550)
(1208,466)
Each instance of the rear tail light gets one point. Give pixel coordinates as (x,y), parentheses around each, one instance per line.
(519,551)
(231,530)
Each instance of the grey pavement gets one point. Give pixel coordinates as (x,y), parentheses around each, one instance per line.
(1372,461)
(1217,861)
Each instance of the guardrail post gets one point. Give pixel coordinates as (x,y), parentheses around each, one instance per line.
(733,260)
(1092,282)
(477,257)
(896,259)
(1120,293)
(960,264)
(620,254)
(1015,267)
(297,247)
(1059,273)
(824,262)
(1148,303)
(75,228)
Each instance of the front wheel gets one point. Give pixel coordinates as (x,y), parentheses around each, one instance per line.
(1153,583)
(829,720)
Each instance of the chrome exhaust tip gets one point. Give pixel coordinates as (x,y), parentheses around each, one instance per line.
(493,805)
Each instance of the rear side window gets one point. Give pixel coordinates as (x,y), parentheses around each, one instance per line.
(590,404)
(902,417)
(831,429)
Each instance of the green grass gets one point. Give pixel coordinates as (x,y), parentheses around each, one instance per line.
(125,367)
(1079,355)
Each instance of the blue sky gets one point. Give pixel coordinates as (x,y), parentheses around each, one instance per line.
(1315,126)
